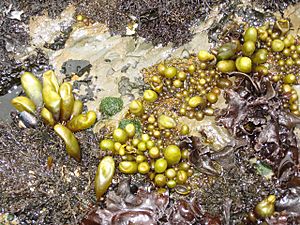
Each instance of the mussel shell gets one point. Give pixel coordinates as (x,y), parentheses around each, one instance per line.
(182,189)
(28,119)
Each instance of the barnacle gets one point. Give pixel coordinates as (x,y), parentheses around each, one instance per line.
(56,104)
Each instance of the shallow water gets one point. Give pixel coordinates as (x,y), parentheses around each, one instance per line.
(5,106)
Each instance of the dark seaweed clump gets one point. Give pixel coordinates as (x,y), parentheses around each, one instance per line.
(225,202)
(163,22)
(235,193)
(255,115)
(276,5)
(236,188)
(40,184)
(10,70)
(126,207)
(15,38)
(144,207)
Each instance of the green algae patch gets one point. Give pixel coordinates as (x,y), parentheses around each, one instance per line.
(137,124)
(110,106)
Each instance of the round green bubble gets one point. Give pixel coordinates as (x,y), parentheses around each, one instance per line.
(160,165)
(172,154)
(107,144)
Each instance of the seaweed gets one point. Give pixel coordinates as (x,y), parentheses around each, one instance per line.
(39,183)
(255,113)
(159,22)
(163,22)
(276,5)
(10,70)
(226,201)
(110,106)
(15,38)
(290,202)
(135,122)
(125,207)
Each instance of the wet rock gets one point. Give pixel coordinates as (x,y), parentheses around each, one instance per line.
(125,68)
(110,72)
(44,29)
(125,86)
(111,56)
(16,15)
(60,41)
(78,67)
(5,105)
(141,49)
